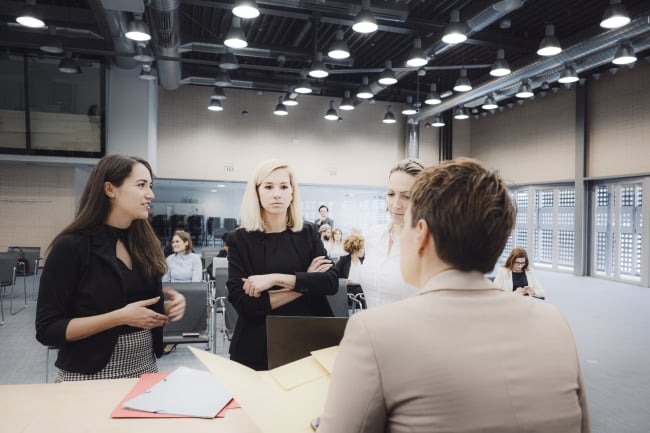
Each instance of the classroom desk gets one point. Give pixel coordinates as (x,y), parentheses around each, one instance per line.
(85,407)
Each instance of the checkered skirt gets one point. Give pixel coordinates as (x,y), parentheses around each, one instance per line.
(133,355)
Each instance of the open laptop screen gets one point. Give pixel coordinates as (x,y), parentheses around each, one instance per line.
(290,338)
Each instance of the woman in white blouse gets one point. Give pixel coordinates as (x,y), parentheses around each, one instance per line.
(183,265)
(516,277)
(381,278)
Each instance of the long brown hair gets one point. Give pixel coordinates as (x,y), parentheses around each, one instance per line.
(94,207)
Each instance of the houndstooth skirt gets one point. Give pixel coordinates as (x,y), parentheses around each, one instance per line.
(133,355)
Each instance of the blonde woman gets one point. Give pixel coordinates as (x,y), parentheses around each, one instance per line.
(277,264)
(381,279)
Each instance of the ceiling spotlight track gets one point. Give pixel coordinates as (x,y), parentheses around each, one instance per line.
(595,51)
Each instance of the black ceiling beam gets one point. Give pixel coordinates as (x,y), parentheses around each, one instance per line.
(33,41)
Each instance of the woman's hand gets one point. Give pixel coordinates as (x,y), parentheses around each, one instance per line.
(137,314)
(525,291)
(256,284)
(320,264)
(175,305)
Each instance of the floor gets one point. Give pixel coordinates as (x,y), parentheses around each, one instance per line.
(611,322)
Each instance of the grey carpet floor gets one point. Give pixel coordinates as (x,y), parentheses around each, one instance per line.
(610,320)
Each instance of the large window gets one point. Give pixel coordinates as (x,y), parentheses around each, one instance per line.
(46,112)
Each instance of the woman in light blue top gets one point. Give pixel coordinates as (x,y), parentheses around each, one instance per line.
(183,265)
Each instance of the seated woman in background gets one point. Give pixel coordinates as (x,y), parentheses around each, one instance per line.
(349,266)
(183,265)
(336,248)
(515,276)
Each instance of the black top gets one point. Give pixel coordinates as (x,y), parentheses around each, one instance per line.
(519,280)
(83,277)
(258,253)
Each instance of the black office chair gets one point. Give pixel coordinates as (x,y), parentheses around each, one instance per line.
(28,261)
(193,327)
(8,278)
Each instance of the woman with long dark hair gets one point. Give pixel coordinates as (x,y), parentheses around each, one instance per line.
(101,298)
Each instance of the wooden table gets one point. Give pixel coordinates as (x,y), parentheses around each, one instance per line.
(85,407)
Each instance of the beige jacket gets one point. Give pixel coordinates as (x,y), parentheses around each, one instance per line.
(460,356)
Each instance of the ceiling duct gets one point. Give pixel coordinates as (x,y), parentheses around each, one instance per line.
(544,66)
(381,9)
(116,21)
(164,21)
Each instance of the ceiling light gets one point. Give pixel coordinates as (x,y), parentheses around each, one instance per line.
(438,122)
(568,75)
(339,49)
(387,76)
(615,15)
(280,109)
(433,97)
(365,21)
(52,46)
(303,87)
(364,91)
(235,37)
(462,83)
(215,105)
(222,79)
(524,91)
(460,113)
(228,62)
(550,45)
(347,103)
(218,94)
(147,72)
(490,103)
(30,16)
(417,57)
(454,33)
(389,117)
(290,101)
(409,109)
(138,30)
(68,65)
(331,113)
(143,54)
(246,9)
(318,68)
(624,55)
(500,67)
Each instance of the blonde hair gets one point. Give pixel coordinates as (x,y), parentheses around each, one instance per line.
(252,215)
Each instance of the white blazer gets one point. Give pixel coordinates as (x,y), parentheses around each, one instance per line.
(503,279)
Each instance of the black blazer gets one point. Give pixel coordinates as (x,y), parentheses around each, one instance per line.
(246,257)
(82,278)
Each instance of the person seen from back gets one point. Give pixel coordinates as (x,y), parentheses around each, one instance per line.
(462,355)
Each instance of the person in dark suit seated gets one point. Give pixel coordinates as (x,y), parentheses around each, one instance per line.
(277,264)
(461,355)
(349,266)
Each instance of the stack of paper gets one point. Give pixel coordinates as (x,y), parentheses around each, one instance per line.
(184,392)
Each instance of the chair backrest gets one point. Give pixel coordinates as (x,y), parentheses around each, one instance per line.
(339,300)
(7,265)
(193,326)
(31,256)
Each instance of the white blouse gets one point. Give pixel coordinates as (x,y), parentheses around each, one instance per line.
(381,278)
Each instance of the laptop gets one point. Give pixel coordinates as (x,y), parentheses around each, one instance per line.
(290,338)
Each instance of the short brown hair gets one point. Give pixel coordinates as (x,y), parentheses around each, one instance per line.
(468,210)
